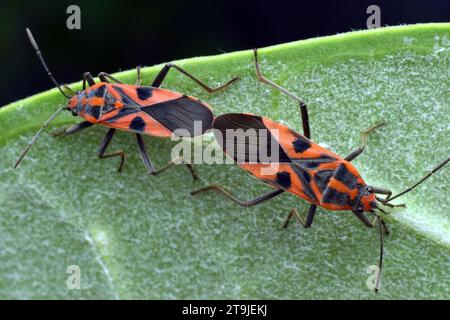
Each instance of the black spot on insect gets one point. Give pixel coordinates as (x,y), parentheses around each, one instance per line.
(100,91)
(333,196)
(284,179)
(144,92)
(138,124)
(301,144)
(346,177)
(93,111)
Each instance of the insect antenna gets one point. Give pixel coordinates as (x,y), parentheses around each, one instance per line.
(380,261)
(33,140)
(41,58)
(425,177)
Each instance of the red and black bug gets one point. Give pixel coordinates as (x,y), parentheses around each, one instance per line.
(304,168)
(140,109)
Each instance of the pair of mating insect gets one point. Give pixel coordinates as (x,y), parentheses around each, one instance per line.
(304,168)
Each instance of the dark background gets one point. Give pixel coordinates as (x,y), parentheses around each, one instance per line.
(118,35)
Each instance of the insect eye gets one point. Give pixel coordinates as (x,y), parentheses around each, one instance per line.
(369,189)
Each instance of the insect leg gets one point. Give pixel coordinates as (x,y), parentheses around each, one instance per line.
(361,216)
(103,76)
(388,194)
(370,224)
(303,107)
(87,77)
(138,79)
(382,229)
(379,190)
(384,225)
(383,191)
(73,129)
(309,218)
(104,144)
(148,164)
(228,195)
(364,137)
(401,205)
(174,162)
(65,86)
(191,169)
(163,73)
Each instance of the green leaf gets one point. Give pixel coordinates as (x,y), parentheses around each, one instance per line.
(135,236)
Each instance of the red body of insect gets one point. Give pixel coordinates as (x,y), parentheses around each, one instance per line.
(302,167)
(305,169)
(148,110)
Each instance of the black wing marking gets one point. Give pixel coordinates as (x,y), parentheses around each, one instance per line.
(334,196)
(249,146)
(122,113)
(312,163)
(305,179)
(322,178)
(343,175)
(182,113)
